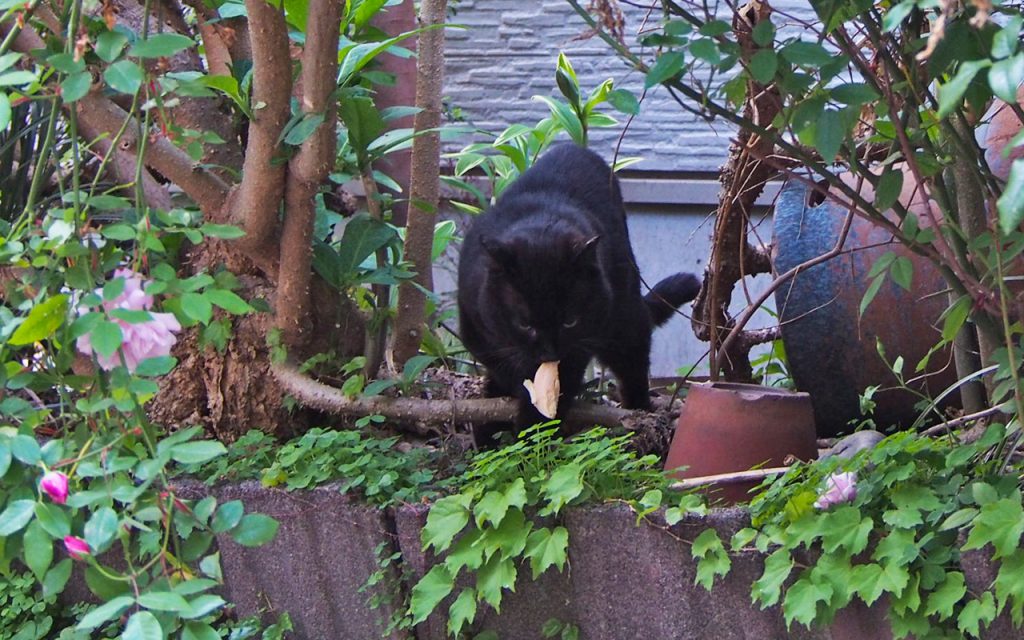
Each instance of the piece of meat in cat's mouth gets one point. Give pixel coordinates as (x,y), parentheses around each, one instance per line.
(544,389)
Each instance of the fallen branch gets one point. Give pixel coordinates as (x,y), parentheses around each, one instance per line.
(735,477)
(426,416)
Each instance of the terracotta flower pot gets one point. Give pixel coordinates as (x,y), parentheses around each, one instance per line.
(726,427)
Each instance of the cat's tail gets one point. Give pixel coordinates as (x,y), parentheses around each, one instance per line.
(669,294)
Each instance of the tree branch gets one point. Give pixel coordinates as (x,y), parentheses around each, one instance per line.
(307,170)
(424,416)
(424,191)
(254,205)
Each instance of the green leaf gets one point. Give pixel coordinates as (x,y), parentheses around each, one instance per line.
(16,516)
(75,86)
(228,301)
(564,486)
(26,449)
(462,611)
(1005,41)
(764,33)
(254,530)
(567,85)
(871,292)
(854,93)
(56,578)
(624,101)
(828,135)
(143,625)
(763,65)
(429,592)
(705,49)
(124,76)
(1011,203)
(713,559)
(665,68)
(197,307)
(953,91)
(228,516)
(304,128)
(105,612)
(497,574)
(154,367)
(1009,584)
(844,528)
(38,549)
(777,568)
(197,452)
(5,457)
(199,630)
(42,321)
(5,111)
(807,54)
(942,600)
(363,121)
(566,118)
(118,232)
(446,519)
(902,272)
(100,529)
(801,602)
(161,45)
(890,184)
(204,605)
(975,613)
(1005,76)
(106,338)
(109,45)
(958,519)
(363,236)
(897,13)
(546,548)
(222,231)
(1000,524)
(164,601)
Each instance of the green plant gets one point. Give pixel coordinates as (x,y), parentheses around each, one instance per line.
(25,613)
(506,510)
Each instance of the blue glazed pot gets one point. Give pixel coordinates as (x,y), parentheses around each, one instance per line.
(832,351)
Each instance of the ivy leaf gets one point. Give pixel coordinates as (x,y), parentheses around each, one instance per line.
(511,536)
(564,486)
(16,516)
(975,613)
(491,508)
(143,625)
(446,519)
(41,322)
(429,592)
(897,547)
(801,602)
(713,559)
(497,573)
(665,68)
(546,548)
(462,611)
(944,598)
(845,528)
(466,552)
(1000,524)
(1009,584)
(777,568)
(254,530)
(865,581)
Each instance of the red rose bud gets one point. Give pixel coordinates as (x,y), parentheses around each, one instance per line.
(77,547)
(55,485)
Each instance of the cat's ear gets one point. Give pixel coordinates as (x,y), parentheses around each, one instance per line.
(500,252)
(583,250)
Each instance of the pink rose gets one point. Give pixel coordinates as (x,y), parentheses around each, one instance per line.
(55,485)
(77,547)
(140,340)
(841,487)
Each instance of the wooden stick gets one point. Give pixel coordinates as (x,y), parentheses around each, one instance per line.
(734,477)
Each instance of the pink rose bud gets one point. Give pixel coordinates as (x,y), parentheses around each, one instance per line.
(55,485)
(842,487)
(77,547)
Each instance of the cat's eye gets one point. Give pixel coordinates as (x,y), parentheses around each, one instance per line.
(570,323)
(522,326)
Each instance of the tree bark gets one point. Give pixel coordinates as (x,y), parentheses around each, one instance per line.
(424,193)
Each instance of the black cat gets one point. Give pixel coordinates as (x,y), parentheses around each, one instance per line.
(548,274)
